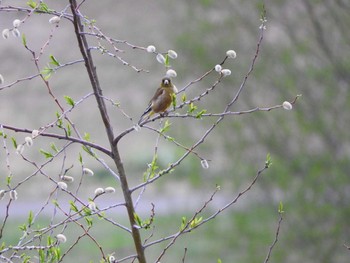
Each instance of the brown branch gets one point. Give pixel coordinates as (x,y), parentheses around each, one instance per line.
(276,238)
(60,137)
(91,70)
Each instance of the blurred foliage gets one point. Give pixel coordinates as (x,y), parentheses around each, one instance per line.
(303,53)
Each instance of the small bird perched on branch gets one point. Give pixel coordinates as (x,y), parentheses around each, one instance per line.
(161,100)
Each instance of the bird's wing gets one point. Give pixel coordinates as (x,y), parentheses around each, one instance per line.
(156,96)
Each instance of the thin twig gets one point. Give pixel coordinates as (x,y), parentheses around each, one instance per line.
(276,238)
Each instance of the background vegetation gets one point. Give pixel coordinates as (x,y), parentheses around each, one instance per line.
(305,51)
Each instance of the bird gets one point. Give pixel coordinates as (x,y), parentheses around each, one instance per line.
(161,100)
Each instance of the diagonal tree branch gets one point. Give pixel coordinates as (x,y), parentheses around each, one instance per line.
(91,70)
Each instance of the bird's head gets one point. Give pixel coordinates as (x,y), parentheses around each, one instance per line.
(166,82)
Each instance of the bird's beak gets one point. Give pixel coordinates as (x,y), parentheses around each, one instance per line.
(166,82)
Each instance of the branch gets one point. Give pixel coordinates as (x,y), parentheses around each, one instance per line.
(91,70)
(60,137)
(276,238)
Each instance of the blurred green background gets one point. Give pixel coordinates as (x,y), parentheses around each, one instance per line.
(306,50)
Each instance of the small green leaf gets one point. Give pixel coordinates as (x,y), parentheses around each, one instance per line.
(55,202)
(173,100)
(73,207)
(69,130)
(183,223)
(87,136)
(192,108)
(23,227)
(280,208)
(49,240)
(54,61)
(268,161)
(80,158)
(167,64)
(152,168)
(41,256)
(88,221)
(8,179)
(137,219)
(219,260)
(44,8)
(199,114)
(69,101)
(46,72)
(183,97)
(195,222)
(166,126)
(87,211)
(30,218)
(3,134)
(53,147)
(14,142)
(24,41)
(59,120)
(46,154)
(32,4)
(26,259)
(88,150)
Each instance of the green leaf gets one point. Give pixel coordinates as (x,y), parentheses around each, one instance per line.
(30,218)
(183,97)
(280,208)
(46,154)
(41,256)
(69,130)
(192,108)
(59,120)
(195,222)
(54,61)
(23,227)
(53,147)
(49,240)
(152,168)
(87,211)
(86,136)
(14,142)
(173,100)
(24,41)
(69,101)
(26,259)
(44,8)
(167,64)
(268,161)
(183,223)
(3,134)
(32,4)
(55,202)
(80,158)
(88,221)
(199,114)
(73,207)
(137,219)
(46,72)
(88,150)
(166,126)
(8,179)
(219,260)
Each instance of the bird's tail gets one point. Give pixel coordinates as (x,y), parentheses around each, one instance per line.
(148,113)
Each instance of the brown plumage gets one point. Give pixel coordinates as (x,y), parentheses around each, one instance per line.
(161,100)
